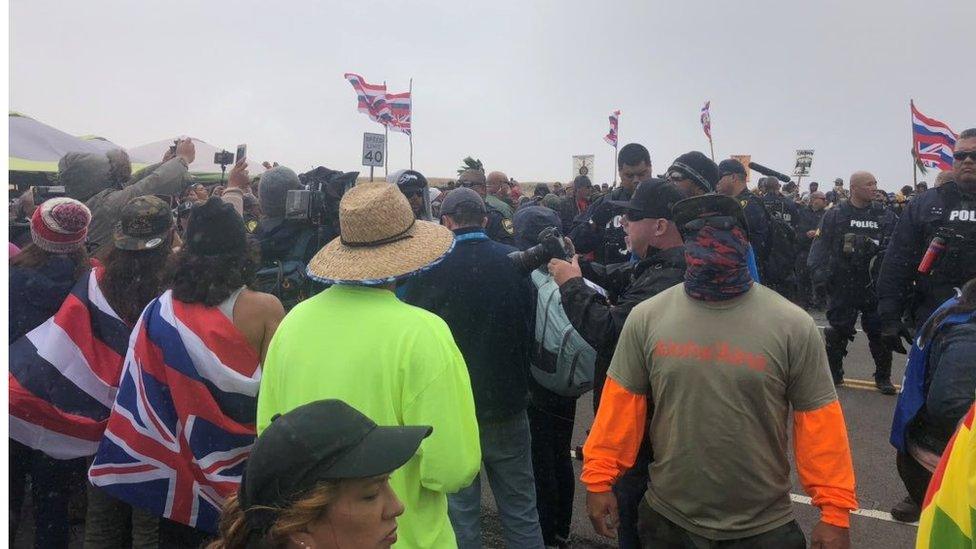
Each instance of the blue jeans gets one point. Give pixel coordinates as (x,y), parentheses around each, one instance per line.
(507,459)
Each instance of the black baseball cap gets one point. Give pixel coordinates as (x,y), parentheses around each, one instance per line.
(654,198)
(708,205)
(323,440)
(462,199)
(144,224)
(730,166)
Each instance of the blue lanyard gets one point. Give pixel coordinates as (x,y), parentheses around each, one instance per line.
(471,236)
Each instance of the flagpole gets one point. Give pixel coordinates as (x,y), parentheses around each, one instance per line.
(712,148)
(386,141)
(915,158)
(615,163)
(410,90)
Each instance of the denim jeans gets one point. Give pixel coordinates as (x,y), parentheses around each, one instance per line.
(551,417)
(52,481)
(507,460)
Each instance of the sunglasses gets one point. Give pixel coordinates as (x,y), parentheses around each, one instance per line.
(410,193)
(961,156)
(470,184)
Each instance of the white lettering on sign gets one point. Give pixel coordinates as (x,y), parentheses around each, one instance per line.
(864,224)
(962,215)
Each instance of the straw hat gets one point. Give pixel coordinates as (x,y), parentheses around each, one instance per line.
(380,241)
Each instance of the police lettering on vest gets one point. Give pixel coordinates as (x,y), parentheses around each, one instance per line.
(864,224)
(962,215)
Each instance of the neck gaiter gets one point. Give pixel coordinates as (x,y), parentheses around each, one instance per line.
(717,264)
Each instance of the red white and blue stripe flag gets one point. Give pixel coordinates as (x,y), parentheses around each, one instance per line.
(706,120)
(932,140)
(182,424)
(399,104)
(64,374)
(372,98)
(611,136)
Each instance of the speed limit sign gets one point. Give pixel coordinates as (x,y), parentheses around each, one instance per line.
(373,147)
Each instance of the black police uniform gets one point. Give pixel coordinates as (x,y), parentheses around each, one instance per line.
(755,212)
(949,213)
(808,220)
(499,228)
(778,272)
(848,241)
(599,230)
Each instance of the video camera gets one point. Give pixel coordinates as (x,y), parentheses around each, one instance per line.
(224,158)
(318,202)
(551,245)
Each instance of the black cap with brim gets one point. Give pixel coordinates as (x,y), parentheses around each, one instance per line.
(653,197)
(319,441)
(693,208)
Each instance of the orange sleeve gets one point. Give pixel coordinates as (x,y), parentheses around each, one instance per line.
(823,462)
(616,435)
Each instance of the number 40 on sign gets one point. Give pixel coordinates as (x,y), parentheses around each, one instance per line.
(373,147)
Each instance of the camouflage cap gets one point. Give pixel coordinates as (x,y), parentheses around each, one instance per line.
(144,224)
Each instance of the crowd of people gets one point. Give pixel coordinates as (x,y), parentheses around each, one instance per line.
(300,360)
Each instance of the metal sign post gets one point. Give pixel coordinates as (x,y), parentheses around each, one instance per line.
(374,151)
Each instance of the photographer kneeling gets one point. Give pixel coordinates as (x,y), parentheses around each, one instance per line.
(653,237)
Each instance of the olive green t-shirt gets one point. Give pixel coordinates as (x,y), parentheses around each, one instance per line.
(722,377)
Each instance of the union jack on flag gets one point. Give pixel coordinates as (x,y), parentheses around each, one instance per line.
(182,424)
(933,141)
(399,104)
(706,120)
(611,136)
(372,98)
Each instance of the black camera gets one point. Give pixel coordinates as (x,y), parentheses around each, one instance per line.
(224,158)
(551,245)
(47,192)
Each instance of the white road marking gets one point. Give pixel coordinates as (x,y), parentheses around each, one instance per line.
(869,513)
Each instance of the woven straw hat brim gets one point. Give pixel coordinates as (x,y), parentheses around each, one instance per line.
(427,245)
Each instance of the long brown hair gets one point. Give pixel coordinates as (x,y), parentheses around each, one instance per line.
(966,304)
(133,278)
(236,534)
(33,256)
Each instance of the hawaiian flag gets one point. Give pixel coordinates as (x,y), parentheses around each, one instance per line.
(949,509)
(372,98)
(64,374)
(611,137)
(182,424)
(932,141)
(399,104)
(706,120)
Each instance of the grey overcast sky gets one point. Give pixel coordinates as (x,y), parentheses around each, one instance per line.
(523,85)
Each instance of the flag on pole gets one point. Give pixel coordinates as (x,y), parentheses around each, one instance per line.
(372,98)
(399,105)
(706,120)
(932,140)
(611,137)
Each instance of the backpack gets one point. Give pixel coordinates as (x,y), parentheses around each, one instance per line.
(781,246)
(287,280)
(563,361)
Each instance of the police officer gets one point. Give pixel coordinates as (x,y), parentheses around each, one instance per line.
(499,228)
(940,226)
(806,228)
(732,182)
(599,230)
(777,204)
(850,237)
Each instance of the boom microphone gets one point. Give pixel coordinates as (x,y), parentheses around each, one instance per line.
(768,172)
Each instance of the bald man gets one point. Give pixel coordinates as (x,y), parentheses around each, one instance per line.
(844,257)
(498,194)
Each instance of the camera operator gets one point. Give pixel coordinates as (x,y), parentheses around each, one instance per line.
(282,239)
(653,237)
(103,183)
(414,186)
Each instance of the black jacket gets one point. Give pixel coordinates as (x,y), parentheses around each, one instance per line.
(757,218)
(278,240)
(607,242)
(485,300)
(36,294)
(592,315)
(949,387)
(942,207)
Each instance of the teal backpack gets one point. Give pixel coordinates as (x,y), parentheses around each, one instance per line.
(563,361)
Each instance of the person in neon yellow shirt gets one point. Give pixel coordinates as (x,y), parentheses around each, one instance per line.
(396,363)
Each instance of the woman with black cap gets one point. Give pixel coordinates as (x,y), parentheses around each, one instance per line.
(318,477)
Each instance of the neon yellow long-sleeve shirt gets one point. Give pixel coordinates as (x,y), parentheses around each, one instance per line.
(399,365)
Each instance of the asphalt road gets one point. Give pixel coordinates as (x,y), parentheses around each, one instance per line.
(868,414)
